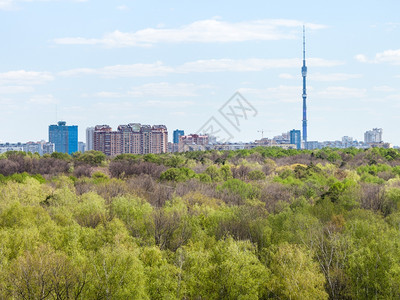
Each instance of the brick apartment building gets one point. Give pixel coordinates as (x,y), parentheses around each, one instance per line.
(132,138)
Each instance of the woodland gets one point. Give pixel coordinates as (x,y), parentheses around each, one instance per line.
(264,223)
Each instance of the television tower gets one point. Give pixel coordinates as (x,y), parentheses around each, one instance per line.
(304,74)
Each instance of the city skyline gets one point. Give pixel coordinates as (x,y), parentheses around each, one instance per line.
(176,63)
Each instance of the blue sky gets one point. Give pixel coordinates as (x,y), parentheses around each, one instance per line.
(178,62)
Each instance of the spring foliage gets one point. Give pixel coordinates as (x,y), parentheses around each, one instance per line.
(249,224)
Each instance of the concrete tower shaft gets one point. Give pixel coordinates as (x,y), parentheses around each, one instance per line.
(304,95)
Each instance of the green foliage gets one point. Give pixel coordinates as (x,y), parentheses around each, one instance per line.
(178,174)
(90,211)
(174,161)
(126,156)
(92,157)
(99,177)
(61,156)
(240,188)
(225,172)
(295,275)
(296,225)
(256,175)
(117,273)
(205,178)
(136,215)
(152,158)
(214,173)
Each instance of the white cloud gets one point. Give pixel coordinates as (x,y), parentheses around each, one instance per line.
(13,4)
(134,70)
(390,26)
(15,89)
(199,66)
(383,88)
(168,104)
(164,89)
(361,58)
(340,92)
(22,77)
(161,89)
(122,7)
(105,95)
(8,106)
(204,31)
(333,76)
(320,62)
(43,99)
(387,56)
(286,76)
(6,4)
(15,82)
(393,97)
(282,93)
(236,65)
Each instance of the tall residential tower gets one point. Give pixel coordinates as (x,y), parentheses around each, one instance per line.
(65,138)
(304,74)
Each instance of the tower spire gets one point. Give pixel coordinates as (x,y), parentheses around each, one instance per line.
(304,95)
(304,43)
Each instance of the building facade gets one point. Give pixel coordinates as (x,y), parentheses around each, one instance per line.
(194,139)
(132,138)
(81,147)
(177,134)
(65,138)
(41,147)
(4,147)
(89,138)
(295,138)
(373,136)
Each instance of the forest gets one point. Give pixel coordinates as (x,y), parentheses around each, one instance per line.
(264,223)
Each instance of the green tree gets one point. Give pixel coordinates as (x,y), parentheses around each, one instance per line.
(116,273)
(294,274)
(45,274)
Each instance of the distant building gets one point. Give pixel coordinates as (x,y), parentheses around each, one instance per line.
(295,138)
(311,145)
(193,139)
(89,138)
(132,138)
(11,147)
(264,142)
(33,147)
(177,134)
(81,147)
(65,138)
(284,138)
(381,145)
(48,148)
(41,147)
(192,142)
(373,136)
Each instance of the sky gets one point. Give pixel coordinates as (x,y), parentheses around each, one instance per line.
(180,63)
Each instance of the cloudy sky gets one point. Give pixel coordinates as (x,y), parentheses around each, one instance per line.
(178,62)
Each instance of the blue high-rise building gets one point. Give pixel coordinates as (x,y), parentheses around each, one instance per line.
(295,138)
(177,134)
(65,138)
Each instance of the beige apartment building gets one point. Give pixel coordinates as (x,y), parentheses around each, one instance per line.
(131,138)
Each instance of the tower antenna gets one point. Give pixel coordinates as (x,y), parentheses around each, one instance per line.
(304,95)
